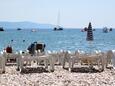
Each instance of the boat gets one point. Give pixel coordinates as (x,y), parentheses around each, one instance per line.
(105,30)
(19,29)
(1,29)
(93,29)
(33,30)
(110,29)
(85,29)
(82,30)
(58,27)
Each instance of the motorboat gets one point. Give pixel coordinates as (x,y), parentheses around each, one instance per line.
(33,30)
(19,29)
(1,29)
(105,30)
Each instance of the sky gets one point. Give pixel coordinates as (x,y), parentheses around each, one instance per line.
(73,13)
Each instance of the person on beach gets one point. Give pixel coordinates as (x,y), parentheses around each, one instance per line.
(36,46)
(9,49)
(31,48)
(40,47)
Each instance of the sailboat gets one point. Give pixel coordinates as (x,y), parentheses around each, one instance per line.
(58,27)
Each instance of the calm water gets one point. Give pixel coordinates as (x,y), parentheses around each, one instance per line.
(68,39)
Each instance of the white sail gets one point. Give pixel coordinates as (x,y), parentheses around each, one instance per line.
(58,22)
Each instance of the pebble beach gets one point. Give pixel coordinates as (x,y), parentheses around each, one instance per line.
(60,77)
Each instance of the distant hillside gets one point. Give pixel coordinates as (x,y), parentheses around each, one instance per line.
(24,25)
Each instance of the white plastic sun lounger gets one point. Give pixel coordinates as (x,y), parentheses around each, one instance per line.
(10,57)
(77,57)
(47,59)
(110,58)
(113,59)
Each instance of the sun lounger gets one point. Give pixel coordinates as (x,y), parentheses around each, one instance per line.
(66,58)
(10,58)
(110,55)
(83,58)
(113,59)
(47,58)
(109,58)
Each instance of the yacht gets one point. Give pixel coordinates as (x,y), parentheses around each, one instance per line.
(33,30)
(58,27)
(1,29)
(105,30)
(19,29)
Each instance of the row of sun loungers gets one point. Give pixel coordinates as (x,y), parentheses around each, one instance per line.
(50,59)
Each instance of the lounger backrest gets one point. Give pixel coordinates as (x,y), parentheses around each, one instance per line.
(66,54)
(110,54)
(61,54)
(77,53)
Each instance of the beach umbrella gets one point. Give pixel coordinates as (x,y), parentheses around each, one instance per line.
(89,33)
(89,37)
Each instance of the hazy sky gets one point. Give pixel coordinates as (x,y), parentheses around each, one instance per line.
(73,13)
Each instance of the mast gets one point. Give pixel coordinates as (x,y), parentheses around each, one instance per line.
(58,19)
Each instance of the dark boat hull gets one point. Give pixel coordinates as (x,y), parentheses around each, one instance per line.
(1,29)
(57,29)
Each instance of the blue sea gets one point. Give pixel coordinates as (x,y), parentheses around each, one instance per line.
(68,39)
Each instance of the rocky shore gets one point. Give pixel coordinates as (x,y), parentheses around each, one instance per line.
(60,77)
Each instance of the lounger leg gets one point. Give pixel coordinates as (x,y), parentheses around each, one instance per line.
(59,59)
(3,63)
(21,64)
(29,62)
(103,63)
(51,64)
(113,62)
(18,63)
(71,64)
(98,63)
(91,66)
(73,61)
(63,62)
(46,64)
